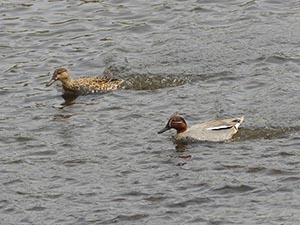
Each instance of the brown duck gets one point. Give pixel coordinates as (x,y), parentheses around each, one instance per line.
(84,85)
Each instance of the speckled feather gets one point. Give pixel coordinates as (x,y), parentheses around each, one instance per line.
(89,85)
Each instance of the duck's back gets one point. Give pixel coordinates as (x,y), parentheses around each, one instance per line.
(87,85)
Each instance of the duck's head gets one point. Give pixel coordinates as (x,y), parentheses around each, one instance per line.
(177,122)
(61,74)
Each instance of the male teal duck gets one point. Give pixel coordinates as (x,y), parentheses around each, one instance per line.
(84,85)
(214,130)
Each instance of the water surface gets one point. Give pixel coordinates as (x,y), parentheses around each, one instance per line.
(101,161)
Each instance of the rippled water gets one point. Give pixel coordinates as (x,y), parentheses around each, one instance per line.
(101,161)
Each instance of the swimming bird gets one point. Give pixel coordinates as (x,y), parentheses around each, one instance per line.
(84,85)
(214,130)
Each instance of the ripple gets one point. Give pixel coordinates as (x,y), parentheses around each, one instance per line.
(52,195)
(156,198)
(256,169)
(231,189)
(139,28)
(13,161)
(195,201)
(264,133)
(290,179)
(277,59)
(278,172)
(134,193)
(41,153)
(65,22)
(126,218)
(16,181)
(36,208)
(16,5)
(73,162)
(4,203)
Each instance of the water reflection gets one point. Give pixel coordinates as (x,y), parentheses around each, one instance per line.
(62,116)
(69,98)
(181,146)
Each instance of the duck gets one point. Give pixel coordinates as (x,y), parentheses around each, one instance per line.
(213,130)
(84,85)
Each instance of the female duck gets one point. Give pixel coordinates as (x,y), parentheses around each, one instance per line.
(84,85)
(214,130)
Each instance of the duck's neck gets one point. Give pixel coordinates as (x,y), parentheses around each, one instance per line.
(180,127)
(67,83)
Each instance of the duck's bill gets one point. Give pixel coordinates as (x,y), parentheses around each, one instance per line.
(50,82)
(163,130)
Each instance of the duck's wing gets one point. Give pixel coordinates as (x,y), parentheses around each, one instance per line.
(221,124)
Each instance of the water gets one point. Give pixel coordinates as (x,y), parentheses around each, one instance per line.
(101,161)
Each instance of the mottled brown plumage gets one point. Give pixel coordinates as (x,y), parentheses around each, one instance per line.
(84,85)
